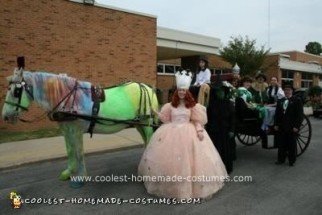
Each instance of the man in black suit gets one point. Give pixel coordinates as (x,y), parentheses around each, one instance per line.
(288,120)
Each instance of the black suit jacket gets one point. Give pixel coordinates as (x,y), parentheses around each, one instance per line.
(292,117)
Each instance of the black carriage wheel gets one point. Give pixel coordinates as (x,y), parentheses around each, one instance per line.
(303,139)
(247,139)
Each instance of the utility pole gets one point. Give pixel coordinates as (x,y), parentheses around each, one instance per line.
(269,25)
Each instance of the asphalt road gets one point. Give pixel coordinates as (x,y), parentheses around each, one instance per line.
(273,190)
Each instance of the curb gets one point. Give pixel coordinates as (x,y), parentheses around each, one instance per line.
(15,166)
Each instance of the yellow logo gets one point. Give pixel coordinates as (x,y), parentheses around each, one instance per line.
(15,200)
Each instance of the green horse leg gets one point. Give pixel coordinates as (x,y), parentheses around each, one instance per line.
(74,145)
(146,133)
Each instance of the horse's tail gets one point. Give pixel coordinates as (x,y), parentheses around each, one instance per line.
(155,106)
(148,102)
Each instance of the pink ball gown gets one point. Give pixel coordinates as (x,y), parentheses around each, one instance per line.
(175,150)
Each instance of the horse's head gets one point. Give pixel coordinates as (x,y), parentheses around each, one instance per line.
(18,98)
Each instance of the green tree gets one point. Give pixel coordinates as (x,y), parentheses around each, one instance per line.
(313,48)
(243,51)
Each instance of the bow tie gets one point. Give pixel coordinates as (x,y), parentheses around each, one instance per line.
(285,104)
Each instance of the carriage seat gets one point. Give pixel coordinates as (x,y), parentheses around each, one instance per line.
(243,113)
(247,120)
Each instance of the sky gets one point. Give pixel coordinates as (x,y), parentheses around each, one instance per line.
(281,25)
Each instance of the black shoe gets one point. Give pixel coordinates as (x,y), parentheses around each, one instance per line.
(279,162)
(291,164)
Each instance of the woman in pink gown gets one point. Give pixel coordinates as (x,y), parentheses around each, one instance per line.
(181,147)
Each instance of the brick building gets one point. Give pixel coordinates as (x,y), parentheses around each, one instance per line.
(98,43)
(303,69)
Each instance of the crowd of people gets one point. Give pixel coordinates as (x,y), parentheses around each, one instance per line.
(197,135)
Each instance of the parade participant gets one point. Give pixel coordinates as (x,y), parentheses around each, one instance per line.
(182,148)
(220,114)
(235,82)
(234,89)
(203,74)
(200,89)
(244,93)
(247,96)
(259,88)
(274,92)
(288,120)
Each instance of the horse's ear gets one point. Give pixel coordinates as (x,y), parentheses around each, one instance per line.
(21,65)
(21,62)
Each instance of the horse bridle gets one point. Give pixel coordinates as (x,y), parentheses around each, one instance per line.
(17,93)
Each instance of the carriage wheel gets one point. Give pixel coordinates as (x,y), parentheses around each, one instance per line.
(248,140)
(304,138)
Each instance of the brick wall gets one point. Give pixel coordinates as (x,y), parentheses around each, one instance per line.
(91,43)
(297,79)
(218,62)
(303,57)
(171,61)
(271,68)
(316,80)
(165,83)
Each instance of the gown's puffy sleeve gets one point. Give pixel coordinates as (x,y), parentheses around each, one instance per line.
(165,113)
(199,116)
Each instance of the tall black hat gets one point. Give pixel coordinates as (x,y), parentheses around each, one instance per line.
(287,84)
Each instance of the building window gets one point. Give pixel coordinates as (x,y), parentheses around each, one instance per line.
(160,68)
(167,68)
(307,80)
(287,76)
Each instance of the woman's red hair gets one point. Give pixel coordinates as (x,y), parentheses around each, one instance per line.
(189,100)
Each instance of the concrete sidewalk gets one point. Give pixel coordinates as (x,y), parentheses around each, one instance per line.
(18,153)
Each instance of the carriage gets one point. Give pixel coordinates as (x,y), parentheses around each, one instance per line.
(248,128)
(247,125)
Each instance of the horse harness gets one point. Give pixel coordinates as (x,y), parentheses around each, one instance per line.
(17,93)
(97,95)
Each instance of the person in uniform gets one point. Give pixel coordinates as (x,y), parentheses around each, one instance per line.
(288,120)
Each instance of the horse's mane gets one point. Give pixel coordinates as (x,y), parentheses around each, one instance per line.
(49,89)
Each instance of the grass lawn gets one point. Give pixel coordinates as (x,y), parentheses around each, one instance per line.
(9,136)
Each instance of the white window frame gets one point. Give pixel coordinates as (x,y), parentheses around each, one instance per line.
(167,64)
(287,78)
(306,83)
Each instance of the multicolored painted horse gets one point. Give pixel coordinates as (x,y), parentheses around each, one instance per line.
(124,103)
